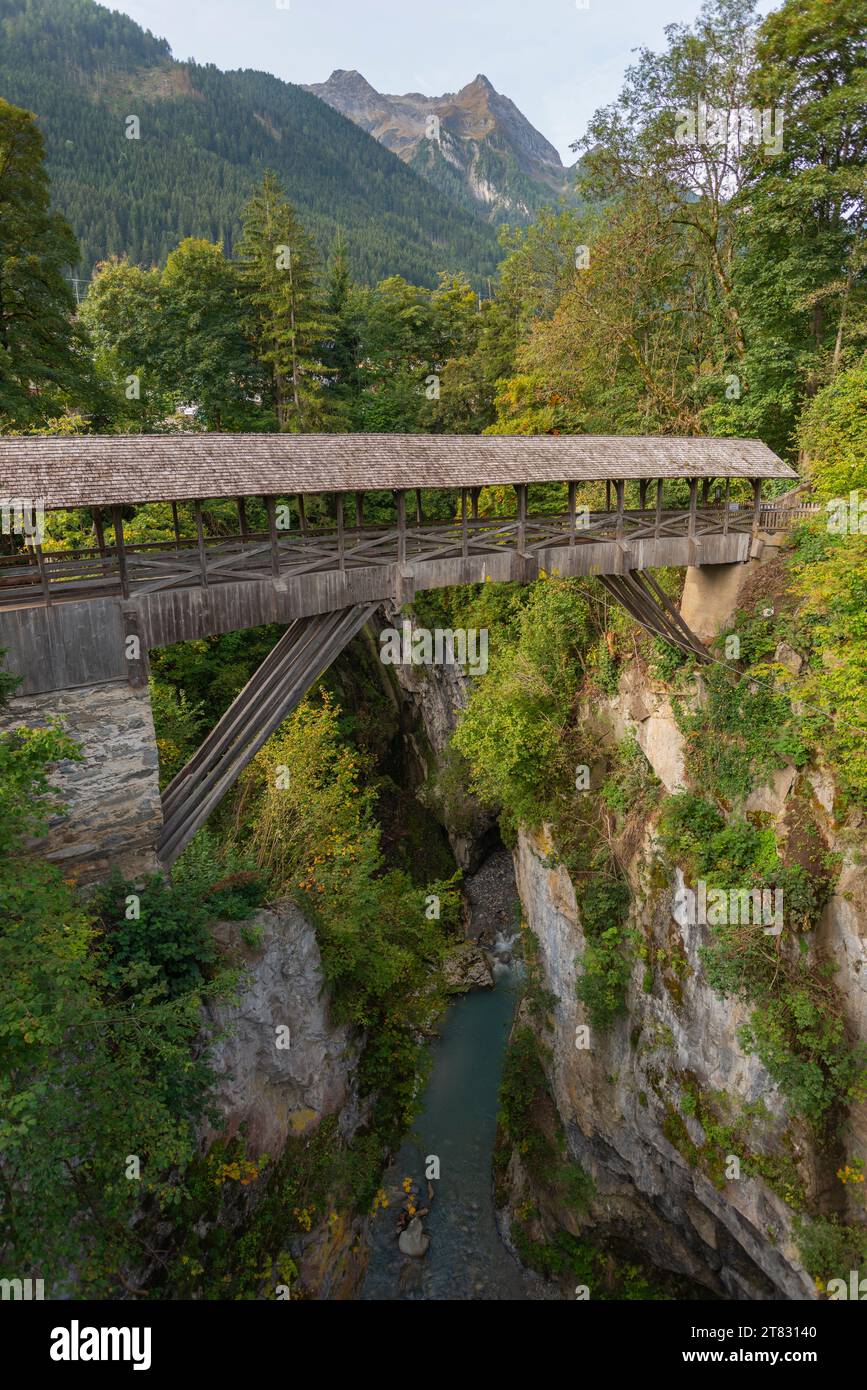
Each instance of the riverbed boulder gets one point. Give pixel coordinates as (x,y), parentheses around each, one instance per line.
(466,967)
(413,1241)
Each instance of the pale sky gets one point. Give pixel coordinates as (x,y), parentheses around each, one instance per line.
(556,61)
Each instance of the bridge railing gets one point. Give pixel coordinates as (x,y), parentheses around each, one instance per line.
(34,576)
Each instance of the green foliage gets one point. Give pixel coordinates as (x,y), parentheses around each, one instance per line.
(739,735)
(833,434)
(831,579)
(312,827)
(278,283)
(830,1250)
(118,1032)
(38,341)
(511,731)
(183,332)
(603,903)
(601,987)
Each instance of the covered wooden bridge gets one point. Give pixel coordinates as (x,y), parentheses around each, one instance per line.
(67,617)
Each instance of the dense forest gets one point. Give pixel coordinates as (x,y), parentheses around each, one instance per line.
(203,139)
(701,288)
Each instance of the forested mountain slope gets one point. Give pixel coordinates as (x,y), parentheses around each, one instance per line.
(205,137)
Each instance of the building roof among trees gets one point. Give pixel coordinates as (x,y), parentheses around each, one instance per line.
(106,470)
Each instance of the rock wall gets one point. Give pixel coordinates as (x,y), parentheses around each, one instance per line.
(620,1101)
(283,1065)
(278,1091)
(432,699)
(114,813)
(614,1098)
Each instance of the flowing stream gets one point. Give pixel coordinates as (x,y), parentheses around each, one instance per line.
(466,1258)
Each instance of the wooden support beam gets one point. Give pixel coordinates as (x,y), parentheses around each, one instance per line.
(200,536)
(99,528)
(475,497)
(302,514)
(359,509)
(693,490)
(621,490)
(521,490)
(341,538)
(176,523)
(657,519)
(465,549)
(100,531)
(43,575)
(642,494)
(418,516)
(705,491)
(571,492)
(117,522)
(242,518)
(400,502)
(608,495)
(726,506)
(273,538)
(757,505)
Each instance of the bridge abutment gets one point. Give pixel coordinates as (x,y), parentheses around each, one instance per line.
(113,810)
(85,665)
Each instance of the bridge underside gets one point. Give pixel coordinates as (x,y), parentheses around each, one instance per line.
(305,650)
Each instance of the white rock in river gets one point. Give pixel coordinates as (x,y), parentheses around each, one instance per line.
(413,1240)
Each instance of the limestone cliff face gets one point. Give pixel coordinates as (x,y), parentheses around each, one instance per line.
(282,1064)
(620,1100)
(615,1097)
(278,1091)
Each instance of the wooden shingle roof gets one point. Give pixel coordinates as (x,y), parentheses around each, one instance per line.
(105,470)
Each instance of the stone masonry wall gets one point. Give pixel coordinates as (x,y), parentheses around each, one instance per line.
(113,810)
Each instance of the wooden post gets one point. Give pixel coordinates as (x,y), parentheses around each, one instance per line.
(475,496)
(572,489)
(359,509)
(100,539)
(43,574)
(705,491)
(242,518)
(658,514)
(693,491)
(618,530)
(302,515)
(274,540)
(176,524)
(400,500)
(117,522)
(757,505)
(521,490)
(200,535)
(341,540)
(464,536)
(608,494)
(642,494)
(418,517)
(726,505)
(100,531)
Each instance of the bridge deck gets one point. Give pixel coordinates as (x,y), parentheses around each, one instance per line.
(32,577)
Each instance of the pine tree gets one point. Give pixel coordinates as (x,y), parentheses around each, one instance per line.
(39,364)
(277,268)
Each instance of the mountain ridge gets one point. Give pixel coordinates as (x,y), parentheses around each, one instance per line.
(474,143)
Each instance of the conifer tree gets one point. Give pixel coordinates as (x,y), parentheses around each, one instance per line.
(40,365)
(277,269)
